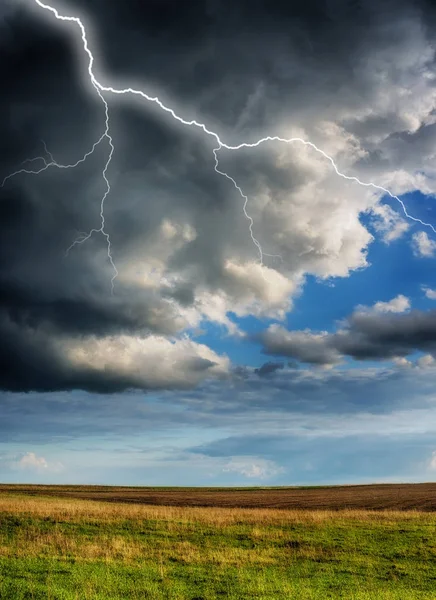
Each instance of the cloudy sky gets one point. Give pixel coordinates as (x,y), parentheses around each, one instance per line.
(178,311)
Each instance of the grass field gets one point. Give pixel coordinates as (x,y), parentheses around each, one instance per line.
(67,548)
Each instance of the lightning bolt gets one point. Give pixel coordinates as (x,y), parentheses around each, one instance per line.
(244,207)
(101,89)
(51,162)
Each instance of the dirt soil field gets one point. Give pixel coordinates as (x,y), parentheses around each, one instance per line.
(419,496)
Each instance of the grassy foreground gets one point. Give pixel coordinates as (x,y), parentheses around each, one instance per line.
(77,549)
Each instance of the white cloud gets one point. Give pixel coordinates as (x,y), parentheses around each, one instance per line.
(432,463)
(426,361)
(397,305)
(154,361)
(389,223)
(260,290)
(31,462)
(402,362)
(312,218)
(429,293)
(422,245)
(253,467)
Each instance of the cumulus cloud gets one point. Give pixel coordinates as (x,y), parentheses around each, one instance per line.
(399,304)
(304,346)
(429,293)
(426,361)
(252,467)
(402,362)
(152,362)
(382,333)
(32,462)
(423,246)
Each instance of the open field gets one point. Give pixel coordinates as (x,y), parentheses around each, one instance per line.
(419,496)
(65,548)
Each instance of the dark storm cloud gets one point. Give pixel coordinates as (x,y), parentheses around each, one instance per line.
(31,362)
(45,295)
(213,54)
(381,336)
(268,368)
(367,336)
(238,65)
(36,360)
(300,345)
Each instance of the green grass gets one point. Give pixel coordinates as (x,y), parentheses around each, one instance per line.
(72,549)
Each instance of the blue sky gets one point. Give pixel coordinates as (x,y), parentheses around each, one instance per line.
(394,270)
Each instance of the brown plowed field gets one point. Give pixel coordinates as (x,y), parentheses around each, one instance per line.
(419,496)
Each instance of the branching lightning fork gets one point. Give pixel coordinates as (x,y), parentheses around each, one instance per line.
(101,89)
